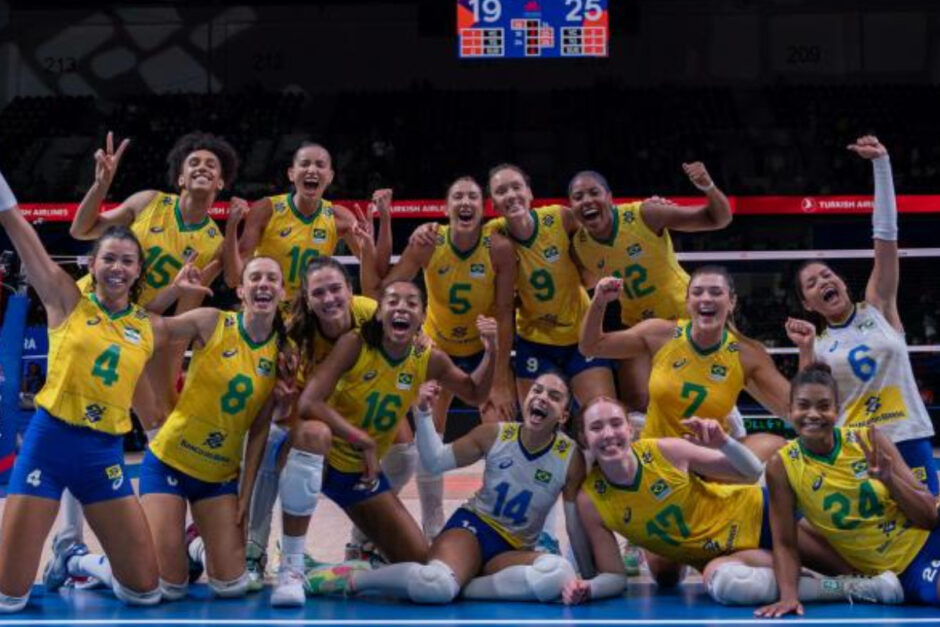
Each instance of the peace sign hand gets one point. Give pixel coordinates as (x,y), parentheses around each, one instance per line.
(106,161)
(880,465)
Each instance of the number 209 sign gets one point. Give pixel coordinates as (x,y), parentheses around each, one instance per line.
(499,29)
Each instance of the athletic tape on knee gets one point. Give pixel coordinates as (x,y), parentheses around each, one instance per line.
(399,465)
(737,584)
(547,576)
(434,582)
(173,591)
(9,604)
(130,597)
(230,589)
(300,482)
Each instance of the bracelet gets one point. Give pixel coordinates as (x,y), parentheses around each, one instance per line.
(704,188)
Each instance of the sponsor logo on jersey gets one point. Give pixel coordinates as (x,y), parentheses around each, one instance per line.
(601,263)
(865,325)
(860,468)
(477,270)
(794,453)
(172,481)
(140,314)
(562,446)
(635,251)
(443,270)
(718,372)
(319,236)
(660,489)
(93,321)
(627,515)
(215,439)
(888,526)
(920,473)
(168,200)
(850,435)
(548,220)
(509,432)
(94,413)
(285,232)
(34,478)
(132,335)
(459,332)
(230,353)
(677,333)
(156,229)
(370,375)
(872,404)
(834,346)
(265,367)
(486,241)
(551,254)
(280,206)
(543,476)
(817,483)
(629,217)
(503,464)
(404,381)
(679,363)
(733,347)
(115,474)
(230,321)
(711,546)
(600,486)
(188,252)
(647,457)
(646,314)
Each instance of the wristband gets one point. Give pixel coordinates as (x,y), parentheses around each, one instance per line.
(7,199)
(704,188)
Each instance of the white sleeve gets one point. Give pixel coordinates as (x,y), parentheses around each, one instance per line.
(607,585)
(884,219)
(435,455)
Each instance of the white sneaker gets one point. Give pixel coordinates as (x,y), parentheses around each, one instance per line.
(885,588)
(289,591)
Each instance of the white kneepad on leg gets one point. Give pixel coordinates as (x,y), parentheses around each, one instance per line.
(131,597)
(300,482)
(434,582)
(9,604)
(173,591)
(547,576)
(237,587)
(737,584)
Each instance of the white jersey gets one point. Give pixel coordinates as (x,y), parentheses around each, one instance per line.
(519,488)
(871,366)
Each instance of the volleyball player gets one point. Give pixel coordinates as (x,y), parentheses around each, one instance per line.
(854,487)
(486,550)
(864,342)
(297,226)
(632,242)
(466,275)
(350,410)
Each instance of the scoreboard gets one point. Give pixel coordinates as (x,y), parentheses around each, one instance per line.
(510,29)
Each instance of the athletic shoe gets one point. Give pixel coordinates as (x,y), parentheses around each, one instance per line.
(365,552)
(884,588)
(56,572)
(289,591)
(309,561)
(333,579)
(547,543)
(632,559)
(195,566)
(256,560)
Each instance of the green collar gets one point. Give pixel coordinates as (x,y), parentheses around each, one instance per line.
(614,229)
(113,316)
(303,218)
(246,337)
(637,478)
(833,454)
(391,360)
(704,352)
(535,232)
(182,226)
(460,254)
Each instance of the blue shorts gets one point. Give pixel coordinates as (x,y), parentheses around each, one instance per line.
(919,456)
(157,477)
(534,359)
(491,543)
(919,579)
(468,363)
(346,488)
(56,456)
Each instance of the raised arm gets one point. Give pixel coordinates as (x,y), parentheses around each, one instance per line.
(236,249)
(803,334)
(436,456)
(783,528)
(712,453)
(886,464)
(196,325)
(764,382)
(659,214)
(473,388)
(882,289)
(88,223)
(55,287)
(415,257)
(643,339)
(382,200)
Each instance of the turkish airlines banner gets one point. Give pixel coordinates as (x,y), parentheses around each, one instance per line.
(740,205)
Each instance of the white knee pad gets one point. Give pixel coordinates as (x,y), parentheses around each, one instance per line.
(130,597)
(230,589)
(300,482)
(735,583)
(9,605)
(433,583)
(547,576)
(399,465)
(173,591)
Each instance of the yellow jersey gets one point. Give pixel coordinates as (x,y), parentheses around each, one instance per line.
(676,514)
(95,360)
(228,382)
(293,239)
(361,308)
(853,511)
(461,286)
(654,284)
(552,301)
(374,395)
(688,380)
(168,242)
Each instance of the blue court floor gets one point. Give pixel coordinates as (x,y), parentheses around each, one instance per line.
(688,605)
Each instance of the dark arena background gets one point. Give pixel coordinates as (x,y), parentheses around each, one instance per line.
(411,94)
